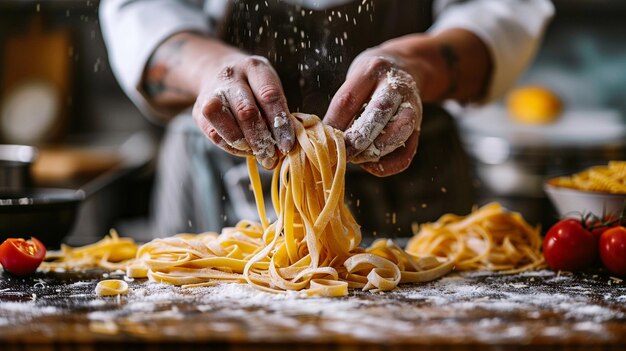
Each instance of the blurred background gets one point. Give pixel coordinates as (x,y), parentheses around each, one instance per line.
(581,64)
(57,92)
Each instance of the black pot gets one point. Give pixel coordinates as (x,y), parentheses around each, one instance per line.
(48,214)
(15,166)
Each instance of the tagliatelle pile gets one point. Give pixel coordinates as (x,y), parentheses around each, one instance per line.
(489,238)
(313,246)
(610,178)
(112,253)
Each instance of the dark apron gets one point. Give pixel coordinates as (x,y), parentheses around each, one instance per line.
(331,40)
(312,61)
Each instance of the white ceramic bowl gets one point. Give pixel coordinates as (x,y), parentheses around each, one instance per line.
(571,202)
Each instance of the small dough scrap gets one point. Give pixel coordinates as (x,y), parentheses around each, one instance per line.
(137,271)
(111,287)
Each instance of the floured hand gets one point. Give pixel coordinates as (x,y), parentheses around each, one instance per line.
(379,109)
(227,111)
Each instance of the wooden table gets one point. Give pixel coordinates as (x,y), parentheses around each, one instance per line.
(531,311)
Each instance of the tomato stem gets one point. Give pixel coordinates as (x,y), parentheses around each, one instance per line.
(591,222)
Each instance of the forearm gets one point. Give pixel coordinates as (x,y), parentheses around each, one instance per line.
(454,64)
(175,71)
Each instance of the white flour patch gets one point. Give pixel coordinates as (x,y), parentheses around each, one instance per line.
(480,307)
(27,308)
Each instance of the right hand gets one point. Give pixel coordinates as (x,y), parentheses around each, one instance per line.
(379,109)
(243,110)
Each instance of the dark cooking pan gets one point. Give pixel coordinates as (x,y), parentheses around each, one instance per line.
(45,213)
(49,214)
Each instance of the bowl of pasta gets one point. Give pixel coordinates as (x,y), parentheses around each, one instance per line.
(600,190)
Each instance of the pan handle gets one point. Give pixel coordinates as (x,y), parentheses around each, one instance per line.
(137,151)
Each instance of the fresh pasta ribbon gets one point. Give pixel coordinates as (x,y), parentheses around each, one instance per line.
(111,287)
(111,253)
(489,238)
(312,248)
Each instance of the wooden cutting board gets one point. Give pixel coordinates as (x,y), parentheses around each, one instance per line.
(531,311)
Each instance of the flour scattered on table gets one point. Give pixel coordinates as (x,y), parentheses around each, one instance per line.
(480,307)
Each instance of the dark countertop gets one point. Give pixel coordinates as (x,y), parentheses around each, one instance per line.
(535,310)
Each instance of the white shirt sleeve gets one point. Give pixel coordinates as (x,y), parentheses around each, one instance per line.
(511,29)
(133,29)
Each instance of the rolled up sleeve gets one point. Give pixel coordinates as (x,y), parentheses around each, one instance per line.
(133,29)
(511,29)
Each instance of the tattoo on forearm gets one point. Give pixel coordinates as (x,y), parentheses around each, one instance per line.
(451,58)
(159,66)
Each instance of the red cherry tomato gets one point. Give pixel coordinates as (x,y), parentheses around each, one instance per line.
(21,257)
(599,231)
(599,226)
(568,246)
(613,250)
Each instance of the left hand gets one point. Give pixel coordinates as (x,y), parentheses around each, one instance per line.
(383,138)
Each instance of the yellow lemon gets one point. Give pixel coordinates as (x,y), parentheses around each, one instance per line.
(534,105)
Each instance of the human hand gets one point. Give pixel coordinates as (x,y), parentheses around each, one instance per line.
(383,138)
(242,108)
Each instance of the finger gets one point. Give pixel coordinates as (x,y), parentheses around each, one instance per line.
(222,144)
(396,161)
(216,111)
(349,99)
(363,77)
(211,133)
(369,125)
(269,94)
(255,131)
(400,127)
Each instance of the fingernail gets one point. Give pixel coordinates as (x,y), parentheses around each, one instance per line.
(357,139)
(268,163)
(241,144)
(285,145)
(350,150)
(355,143)
(283,132)
(371,154)
(266,154)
